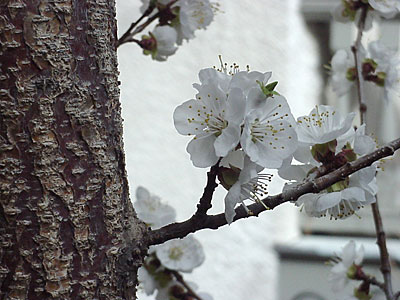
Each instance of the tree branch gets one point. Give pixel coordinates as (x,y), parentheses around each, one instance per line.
(355,49)
(205,200)
(380,233)
(128,35)
(180,230)
(180,279)
(383,252)
(397,295)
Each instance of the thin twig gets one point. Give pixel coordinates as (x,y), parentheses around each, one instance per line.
(397,295)
(124,38)
(380,233)
(205,200)
(384,255)
(180,279)
(356,53)
(180,230)
(127,36)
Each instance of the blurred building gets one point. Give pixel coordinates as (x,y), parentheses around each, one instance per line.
(302,260)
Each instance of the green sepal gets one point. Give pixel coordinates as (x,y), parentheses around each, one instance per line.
(322,152)
(228,176)
(163,278)
(268,90)
(361,295)
(381,78)
(338,187)
(352,271)
(351,74)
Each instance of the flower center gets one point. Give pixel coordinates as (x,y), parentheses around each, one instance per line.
(175,253)
(256,188)
(259,130)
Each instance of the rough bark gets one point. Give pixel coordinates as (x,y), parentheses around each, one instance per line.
(67,227)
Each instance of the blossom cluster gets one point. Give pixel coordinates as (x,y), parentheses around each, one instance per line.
(240,122)
(348,265)
(178,255)
(379,64)
(178,20)
(328,138)
(351,10)
(237,116)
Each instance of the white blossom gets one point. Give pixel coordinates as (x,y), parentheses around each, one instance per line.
(145,4)
(193,15)
(250,184)
(322,125)
(325,136)
(342,264)
(387,8)
(151,210)
(166,38)
(388,64)
(345,13)
(341,62)
(147,282)
(343,198)
(269,136)
(181,254)
(216,115)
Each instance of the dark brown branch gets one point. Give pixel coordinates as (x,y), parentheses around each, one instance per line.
(180,230)
(397,295)
(355,49)
(380,233)
(205,200)
(123,39)
(180,279)
(128,35)
(383,252)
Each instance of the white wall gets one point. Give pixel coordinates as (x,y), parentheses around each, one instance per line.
(267,35)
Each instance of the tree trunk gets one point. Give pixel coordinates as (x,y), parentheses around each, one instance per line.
(67,226)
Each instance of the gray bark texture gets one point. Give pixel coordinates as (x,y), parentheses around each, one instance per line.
(67,227)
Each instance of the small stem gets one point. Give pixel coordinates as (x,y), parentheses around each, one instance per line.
(355,49)
(384,255)
(205,200)
(180,279)
(380,233)
(397,295)
(126,37)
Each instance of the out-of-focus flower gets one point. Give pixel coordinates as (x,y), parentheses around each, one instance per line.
(151,210)
(344,265)
(387,8)
(181,254)
(384,69)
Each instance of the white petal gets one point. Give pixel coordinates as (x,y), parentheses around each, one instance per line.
(142,194)
(231,199)
(348,253)
(234,158)
(353,194)
(228,140)
(147,281)
(202,152)
(327,200)
(236,107)
(181,254)
(186,118)
(295,172)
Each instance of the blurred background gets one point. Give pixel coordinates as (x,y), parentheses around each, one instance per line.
(281,254)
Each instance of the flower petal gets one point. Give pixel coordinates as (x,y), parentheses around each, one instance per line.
(202,152)
(228,140)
